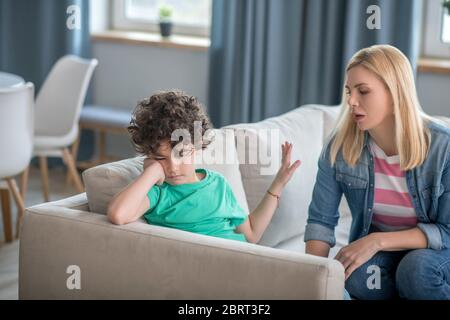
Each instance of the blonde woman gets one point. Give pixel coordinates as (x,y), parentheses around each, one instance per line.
(392,163)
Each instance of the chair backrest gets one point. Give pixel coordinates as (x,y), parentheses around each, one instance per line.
(59,102)
(16,129)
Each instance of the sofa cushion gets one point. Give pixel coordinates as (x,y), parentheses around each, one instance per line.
(304,128)
(104,181)
(330,117)
(342,232)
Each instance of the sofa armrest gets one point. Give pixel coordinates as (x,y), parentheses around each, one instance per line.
(141,261)
(77,202)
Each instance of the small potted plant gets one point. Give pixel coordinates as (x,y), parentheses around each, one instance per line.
(165,20)
(446,5)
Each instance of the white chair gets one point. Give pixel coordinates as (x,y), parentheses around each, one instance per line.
(16,146)
(58,108)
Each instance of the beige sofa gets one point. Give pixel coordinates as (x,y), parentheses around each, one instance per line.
(141,261)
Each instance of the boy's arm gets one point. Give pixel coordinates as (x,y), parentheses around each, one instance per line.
(258,220)
(132,202)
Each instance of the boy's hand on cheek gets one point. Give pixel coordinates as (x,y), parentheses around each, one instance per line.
(286,170)
(156,169)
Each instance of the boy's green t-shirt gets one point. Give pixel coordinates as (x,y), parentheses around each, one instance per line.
(207,207)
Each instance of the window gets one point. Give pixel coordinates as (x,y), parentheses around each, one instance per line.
(446,28)
(437,30)
(190,17)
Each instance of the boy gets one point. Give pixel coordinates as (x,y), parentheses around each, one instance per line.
(172,193)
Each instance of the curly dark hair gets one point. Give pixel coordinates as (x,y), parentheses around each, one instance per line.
(154,120)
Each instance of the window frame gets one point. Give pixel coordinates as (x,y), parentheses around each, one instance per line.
(433,45)
(121,22)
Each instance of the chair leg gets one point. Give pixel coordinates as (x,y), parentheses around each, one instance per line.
(24,183)
(70,163)
(19,202)
(74,150)
(44,177)
(6,210)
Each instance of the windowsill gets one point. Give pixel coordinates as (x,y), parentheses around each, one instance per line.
(153,39)
(431,65)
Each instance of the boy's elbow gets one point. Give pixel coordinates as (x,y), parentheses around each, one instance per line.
(251,238)
(115,217)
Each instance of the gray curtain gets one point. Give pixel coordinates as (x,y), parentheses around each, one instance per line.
(270,56)
(34,35)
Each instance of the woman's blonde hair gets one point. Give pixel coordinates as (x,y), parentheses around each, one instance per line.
(411,132)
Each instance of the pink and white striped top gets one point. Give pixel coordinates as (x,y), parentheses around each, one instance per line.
(392,208)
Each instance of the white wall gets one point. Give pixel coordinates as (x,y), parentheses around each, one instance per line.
(128,73)
(434,93)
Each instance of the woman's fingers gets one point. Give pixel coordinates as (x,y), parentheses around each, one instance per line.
(338,256)
(341,257)
(349,264)
(349,270)
(345,262)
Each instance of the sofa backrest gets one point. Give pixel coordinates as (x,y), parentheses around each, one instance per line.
(330,116)
(306,127)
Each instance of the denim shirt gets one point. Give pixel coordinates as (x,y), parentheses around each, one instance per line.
(428,185)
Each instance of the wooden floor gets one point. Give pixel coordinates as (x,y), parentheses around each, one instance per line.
(9,252)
